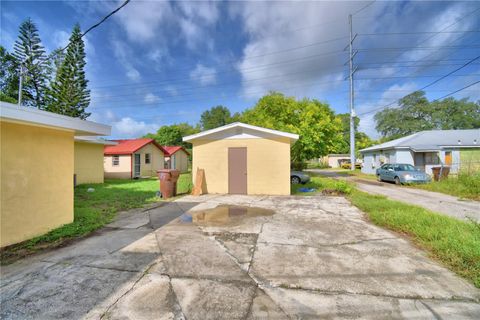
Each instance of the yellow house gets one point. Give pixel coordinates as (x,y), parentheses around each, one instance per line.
(133,158)
(243,159)
(88,159)
(37,170)
(176,157)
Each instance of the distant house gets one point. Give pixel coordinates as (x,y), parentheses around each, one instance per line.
(336,160)
(133,158)
(37,170)
(176,157)
(88,159)
(458,149)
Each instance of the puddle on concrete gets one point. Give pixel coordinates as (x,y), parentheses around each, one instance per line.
(224,215)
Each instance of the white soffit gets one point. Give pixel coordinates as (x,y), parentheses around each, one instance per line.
(27,115)
(240,130)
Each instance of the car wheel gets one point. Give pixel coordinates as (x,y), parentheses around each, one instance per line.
(295,180)
(378,178)
(397,180)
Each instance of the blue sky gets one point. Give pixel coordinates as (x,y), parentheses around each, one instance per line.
(162,62)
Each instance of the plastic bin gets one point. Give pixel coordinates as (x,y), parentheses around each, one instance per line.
(168,182)
(440,173)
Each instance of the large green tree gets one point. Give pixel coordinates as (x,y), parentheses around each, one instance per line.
(362,140)
(215,117)
(415,113)
(172,135)
(8,76)
(319,129)
(30,58)
(69,94)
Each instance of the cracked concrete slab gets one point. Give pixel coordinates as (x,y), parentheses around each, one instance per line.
(209,299)
(316,257)
(383,267)
(192,254)
(150,298)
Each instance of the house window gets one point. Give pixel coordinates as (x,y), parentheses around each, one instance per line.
(115,160)
(147,158)
(173,162)
(431,158)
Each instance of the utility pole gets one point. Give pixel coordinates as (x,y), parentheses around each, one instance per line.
(20,84)
(352,107)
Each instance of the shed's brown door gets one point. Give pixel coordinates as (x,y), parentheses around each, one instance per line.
(237,170)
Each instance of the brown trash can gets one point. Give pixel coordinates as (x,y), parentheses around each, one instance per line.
(440,173)
(168,182)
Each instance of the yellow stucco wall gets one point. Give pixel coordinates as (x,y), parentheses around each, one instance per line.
(181,161)
(122,171)
(157,160)
(268,164)
(36,181)
(88,162)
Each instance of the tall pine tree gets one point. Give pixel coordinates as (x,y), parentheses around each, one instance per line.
(69,94)
(30,56)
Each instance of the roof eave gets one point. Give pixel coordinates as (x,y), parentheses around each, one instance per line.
(19,114)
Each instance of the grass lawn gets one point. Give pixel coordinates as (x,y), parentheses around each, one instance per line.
(92,210)
(455,243)
(466,186)
(462,186)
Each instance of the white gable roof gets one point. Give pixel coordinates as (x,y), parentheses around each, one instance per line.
(239,130)
(20,114)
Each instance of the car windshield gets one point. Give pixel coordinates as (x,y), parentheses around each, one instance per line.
(404,167)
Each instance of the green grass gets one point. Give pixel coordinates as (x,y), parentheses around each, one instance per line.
(464,186)
(454,243)
(322,184)
(92,210)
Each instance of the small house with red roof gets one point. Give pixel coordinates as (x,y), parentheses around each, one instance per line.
(133,158)
(176,157)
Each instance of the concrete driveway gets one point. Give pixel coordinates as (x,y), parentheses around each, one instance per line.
(434,201)
(238,257)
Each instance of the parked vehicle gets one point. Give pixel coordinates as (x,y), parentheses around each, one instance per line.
(347,164)
(297,177)
(401,173)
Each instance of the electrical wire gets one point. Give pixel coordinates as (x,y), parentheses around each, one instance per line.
(424,87)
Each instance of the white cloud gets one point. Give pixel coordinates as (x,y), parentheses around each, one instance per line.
(130,128)
(171,90)
(125,56)
(143,19)
(151,98)
(203,75)
(391,94)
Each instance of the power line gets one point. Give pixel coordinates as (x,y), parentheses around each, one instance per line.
(69,43)
(418,48)
(452,93)
(426,86)
(189,78)
(417,32)
(363,8)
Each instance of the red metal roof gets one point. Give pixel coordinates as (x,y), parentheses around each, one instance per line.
(129,146)
(169,150)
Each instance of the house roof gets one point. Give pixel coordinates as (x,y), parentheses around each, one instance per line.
(169,150)
(27,115)
(129,146)
(432,140)
(241,130)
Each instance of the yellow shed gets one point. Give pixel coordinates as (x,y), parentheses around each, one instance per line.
(36,171)
(243,159)
(88,159)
